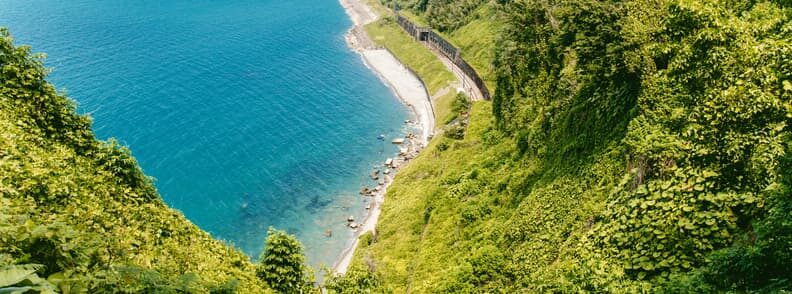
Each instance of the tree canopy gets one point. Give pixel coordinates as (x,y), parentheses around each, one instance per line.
(282,264)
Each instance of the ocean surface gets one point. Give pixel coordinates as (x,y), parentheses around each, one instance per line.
(248,114)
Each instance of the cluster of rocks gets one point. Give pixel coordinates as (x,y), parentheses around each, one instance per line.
(351,222)
(366,191)
(408,150)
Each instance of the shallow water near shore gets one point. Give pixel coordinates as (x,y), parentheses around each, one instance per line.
(249,114)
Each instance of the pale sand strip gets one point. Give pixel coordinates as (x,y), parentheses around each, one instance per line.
(402,82)
(406,85)
(359,12)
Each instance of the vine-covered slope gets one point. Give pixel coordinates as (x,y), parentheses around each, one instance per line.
(631,146)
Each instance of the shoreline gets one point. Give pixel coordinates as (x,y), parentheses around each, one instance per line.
(410,91)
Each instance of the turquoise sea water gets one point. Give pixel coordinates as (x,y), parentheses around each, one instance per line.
(248,113)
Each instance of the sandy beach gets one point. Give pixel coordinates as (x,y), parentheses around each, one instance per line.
(405,85)
(359,12)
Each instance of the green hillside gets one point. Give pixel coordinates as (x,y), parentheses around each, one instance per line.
(631,146)
(473,26)
(80,212)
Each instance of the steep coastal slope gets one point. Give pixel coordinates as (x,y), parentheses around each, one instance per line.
(82,208)
(630,146)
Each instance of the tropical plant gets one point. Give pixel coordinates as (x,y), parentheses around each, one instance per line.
(282,264)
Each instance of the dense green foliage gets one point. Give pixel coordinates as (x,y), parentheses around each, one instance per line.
(693,91)
(443,15)
(631,146)
(355,281)
(458,121)
(282,265)
(78,214)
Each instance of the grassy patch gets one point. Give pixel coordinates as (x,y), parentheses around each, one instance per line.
(402,251)
(377,7)
(477,41)
(443,108)
(387,33)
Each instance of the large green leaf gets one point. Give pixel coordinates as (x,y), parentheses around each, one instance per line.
(14,274)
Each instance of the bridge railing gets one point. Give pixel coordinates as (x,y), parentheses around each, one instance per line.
(444,47)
